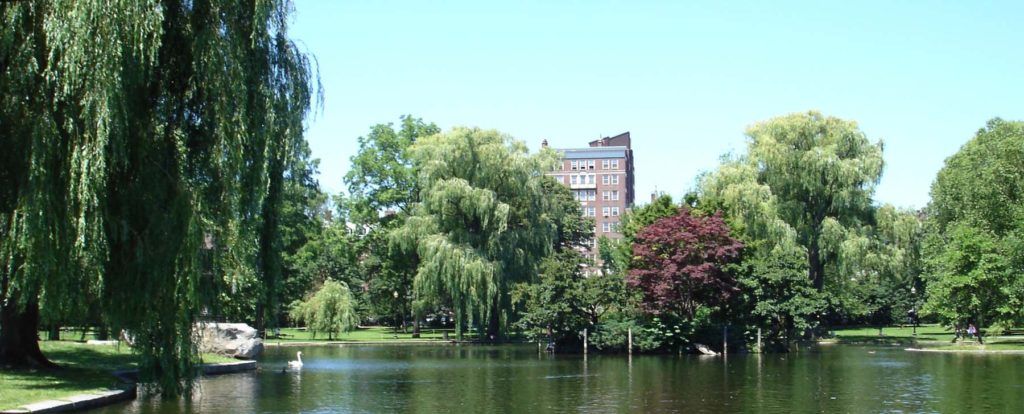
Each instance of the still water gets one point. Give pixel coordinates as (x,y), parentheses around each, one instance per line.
(517,379)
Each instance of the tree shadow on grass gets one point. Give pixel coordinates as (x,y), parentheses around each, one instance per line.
(97,357)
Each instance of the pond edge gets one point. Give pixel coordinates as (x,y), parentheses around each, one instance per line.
(128,392)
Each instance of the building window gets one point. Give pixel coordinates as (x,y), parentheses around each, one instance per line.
(604,179)
(592,211)
(615,195)
(572,179)
(615,179)
(574,165)
(615,164)
(592,194)
(590,164)
(615,211)
(606,227)
(604,164)
(593,179)
(606,211)
(605,195)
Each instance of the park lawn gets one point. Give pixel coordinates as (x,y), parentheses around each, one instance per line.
(1002,345)
(894,333)
(364,334)
(929,336)
(86,369)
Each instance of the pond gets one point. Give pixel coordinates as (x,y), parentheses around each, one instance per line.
(518,379)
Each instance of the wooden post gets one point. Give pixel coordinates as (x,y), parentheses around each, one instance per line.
(725,340)
(630,346)
(584,341)
(758,339)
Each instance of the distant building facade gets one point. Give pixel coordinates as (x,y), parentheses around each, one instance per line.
(602,180)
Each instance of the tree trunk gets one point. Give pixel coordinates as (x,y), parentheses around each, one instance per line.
(816,268)
(261,328)
(494,323)
(19,336)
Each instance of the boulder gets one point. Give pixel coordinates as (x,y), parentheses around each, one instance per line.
(236,340)
(704,350)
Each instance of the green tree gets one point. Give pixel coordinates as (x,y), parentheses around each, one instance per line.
(973,280)
(147,147)
(778,295)
(974,246)
(383,185)
(482,223)
(566,298)
(822,172)
(333,254)
(804,188)
(383,176)
(331,309)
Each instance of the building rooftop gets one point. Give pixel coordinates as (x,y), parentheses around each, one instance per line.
(593,152)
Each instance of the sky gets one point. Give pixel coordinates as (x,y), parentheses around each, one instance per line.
(685,78)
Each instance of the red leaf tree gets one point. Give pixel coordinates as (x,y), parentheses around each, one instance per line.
(678,263)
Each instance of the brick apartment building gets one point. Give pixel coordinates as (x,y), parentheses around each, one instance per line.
(601,178)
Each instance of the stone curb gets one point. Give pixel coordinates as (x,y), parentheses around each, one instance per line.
(968,351)
(336,343)
(82,402)
(228,367)
(79,402)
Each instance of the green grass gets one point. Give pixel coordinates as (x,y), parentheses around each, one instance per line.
(928,336)
(367,334)
(85,369)
(1016,344)
(894,334)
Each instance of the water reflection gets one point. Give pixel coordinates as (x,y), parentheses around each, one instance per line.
(514,379)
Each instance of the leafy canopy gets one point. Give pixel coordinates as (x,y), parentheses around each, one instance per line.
(331,310)
(679,263)
(482,222)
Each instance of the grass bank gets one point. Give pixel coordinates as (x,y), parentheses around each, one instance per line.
(85,369)
(365,334)
(928,336)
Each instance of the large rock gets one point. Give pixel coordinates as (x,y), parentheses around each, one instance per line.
(230,339)
(704,349)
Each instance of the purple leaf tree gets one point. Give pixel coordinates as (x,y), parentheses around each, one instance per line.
(678,263)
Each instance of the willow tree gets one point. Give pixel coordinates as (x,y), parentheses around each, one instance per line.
(803,192)
(482,223)
(145,140)
(330,309)
(822,172)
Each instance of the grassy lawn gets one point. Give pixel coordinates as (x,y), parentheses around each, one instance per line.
(894,334)
(367,334)
(929,336)
(86,368)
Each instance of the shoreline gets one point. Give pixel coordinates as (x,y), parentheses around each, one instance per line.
(129,390)
(385,342)
(968,351)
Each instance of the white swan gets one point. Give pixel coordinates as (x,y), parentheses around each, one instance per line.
(296,364)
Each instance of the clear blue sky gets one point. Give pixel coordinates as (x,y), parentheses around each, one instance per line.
(685,78)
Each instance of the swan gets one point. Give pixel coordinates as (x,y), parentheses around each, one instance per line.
(296,364)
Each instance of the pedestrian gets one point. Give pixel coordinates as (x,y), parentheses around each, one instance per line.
(971,330)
